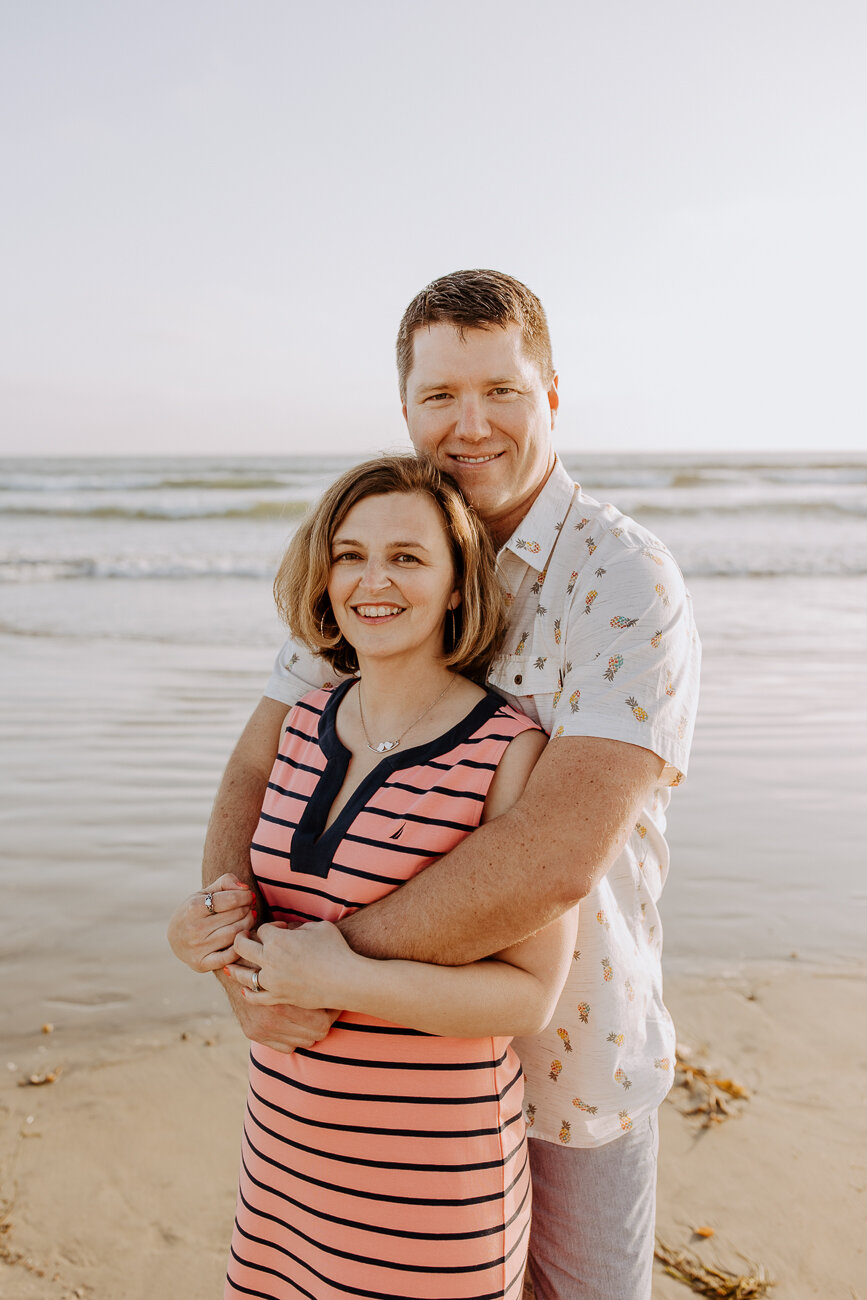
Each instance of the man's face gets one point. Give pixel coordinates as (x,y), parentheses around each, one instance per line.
(478,406)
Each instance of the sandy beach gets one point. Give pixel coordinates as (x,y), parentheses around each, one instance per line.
(119,1177)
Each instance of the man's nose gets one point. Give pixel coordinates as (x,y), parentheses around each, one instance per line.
(472,423)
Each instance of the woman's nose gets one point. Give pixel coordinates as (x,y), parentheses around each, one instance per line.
(374,577)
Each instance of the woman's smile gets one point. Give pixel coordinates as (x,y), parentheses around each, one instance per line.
(377,613)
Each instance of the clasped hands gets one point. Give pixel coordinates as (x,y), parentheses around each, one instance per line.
(214,938)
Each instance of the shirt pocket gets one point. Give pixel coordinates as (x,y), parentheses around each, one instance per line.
(529,682)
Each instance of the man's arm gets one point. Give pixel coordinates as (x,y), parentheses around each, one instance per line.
(226,853)
(517,873)
(231,827)
(235,814)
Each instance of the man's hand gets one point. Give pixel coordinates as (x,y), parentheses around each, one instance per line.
(204,939)
(281,1028)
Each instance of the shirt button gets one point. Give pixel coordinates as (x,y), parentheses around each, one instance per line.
(518,679)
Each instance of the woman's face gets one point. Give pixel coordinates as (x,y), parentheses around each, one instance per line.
(392,578)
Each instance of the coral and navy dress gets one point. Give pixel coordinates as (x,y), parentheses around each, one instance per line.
(383,1162)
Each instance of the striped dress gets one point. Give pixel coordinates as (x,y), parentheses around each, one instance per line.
(384,1162)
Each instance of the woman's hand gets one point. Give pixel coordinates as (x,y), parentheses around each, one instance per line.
(203,938)
(311,966)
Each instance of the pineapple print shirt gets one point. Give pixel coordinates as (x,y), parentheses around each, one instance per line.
(601,642)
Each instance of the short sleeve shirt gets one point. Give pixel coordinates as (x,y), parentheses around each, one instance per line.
(601,643)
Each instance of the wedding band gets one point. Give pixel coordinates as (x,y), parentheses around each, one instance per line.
(256,988)
(209,904)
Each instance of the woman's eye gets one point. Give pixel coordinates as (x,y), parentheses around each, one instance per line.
(503,392)
(344,556)
(407,559)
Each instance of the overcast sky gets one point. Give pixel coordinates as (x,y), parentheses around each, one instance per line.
(216,212)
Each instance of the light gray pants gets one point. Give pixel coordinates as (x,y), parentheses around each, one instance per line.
(594,1210)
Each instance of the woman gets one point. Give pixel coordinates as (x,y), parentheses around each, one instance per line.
(390,1159)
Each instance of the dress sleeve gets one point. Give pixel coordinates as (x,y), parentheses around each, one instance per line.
(296,672)
(632,671)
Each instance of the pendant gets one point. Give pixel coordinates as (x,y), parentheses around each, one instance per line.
(385,745)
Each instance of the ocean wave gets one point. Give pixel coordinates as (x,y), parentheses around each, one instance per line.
(150,567)
(172,511)
(828,567)
(639,504)
(802,509)
(843,563)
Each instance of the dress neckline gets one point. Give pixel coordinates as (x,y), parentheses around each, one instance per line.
(314,845)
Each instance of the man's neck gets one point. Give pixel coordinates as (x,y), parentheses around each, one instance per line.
(503,526)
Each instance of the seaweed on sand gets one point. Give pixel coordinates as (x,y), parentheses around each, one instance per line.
(706,1280)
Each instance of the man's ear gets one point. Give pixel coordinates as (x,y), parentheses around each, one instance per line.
(554,397)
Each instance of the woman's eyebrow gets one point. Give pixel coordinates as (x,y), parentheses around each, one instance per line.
(391,546)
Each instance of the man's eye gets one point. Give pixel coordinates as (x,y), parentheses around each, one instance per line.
(437,397)
(503,392)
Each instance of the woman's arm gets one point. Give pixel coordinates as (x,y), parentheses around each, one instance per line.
(514,992)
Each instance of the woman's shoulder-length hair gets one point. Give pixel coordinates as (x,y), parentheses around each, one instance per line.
(300,588)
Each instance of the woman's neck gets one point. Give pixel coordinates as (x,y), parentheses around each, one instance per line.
(394,694)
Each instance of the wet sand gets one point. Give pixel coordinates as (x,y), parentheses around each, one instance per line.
(119,1177)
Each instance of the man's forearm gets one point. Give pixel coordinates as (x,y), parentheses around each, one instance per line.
(232,824)
(465,906)
(521,871)
(235,814)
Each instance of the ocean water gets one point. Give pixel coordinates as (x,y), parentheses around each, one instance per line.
(137,631)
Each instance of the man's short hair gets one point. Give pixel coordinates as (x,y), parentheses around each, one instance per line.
(476,300)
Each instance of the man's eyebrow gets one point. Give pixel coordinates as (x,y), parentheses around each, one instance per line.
(503,381)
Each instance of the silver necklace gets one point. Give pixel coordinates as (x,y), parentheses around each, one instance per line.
(385,745)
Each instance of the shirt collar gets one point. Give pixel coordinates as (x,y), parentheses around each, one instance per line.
(534,538)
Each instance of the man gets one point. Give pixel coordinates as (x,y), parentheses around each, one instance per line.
(603,652)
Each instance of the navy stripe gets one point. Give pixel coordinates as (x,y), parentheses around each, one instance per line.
(404,1166)
(394,881)
(310,708)
(292,886)
(298,767)
(375,811)
(485,736)
(389,1131)
(464,762)
(344,1287)
(303,735)
(357,1028)
(347,1290)
(296,914)
(272,853)
(411,1100)
(391,846)
(435,789)
(447,1066)
(278,821)
(382,1229)
(454,1202)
